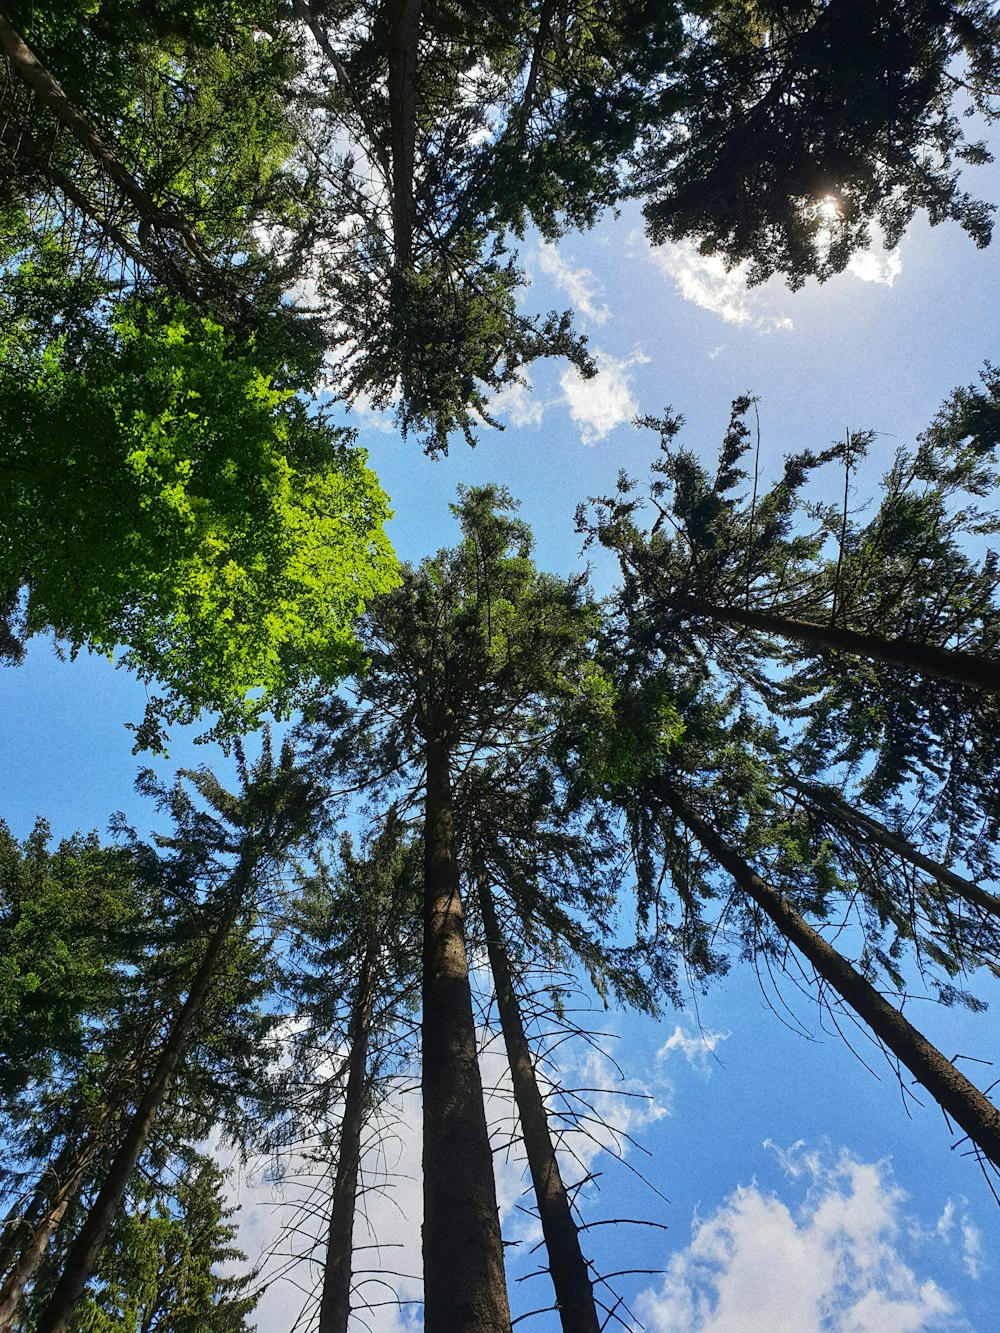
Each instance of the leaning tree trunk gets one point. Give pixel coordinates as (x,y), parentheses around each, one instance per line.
(29,71)
(570,1274)
(851,818)
(955,1094)
(464,1286)
(83,1253)
(335,1303)
(978,673)
(27,1238)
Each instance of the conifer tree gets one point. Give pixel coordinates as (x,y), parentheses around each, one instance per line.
(462,659)
(352,976)
(220,859)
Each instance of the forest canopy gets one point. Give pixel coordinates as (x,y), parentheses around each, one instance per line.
(493,798)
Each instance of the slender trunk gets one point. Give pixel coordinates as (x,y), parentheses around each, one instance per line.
(302,9)
(28,1237)
(27,68)
(961,1099)
(570,1275)
(977,673)
(850,818)
(545,18)
(464,1286)
(335,1304)
(404,35)
(83,1253)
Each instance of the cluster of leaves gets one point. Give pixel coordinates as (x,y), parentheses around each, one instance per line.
(168,493)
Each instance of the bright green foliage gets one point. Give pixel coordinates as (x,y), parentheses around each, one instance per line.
(158,1271)
(165,495)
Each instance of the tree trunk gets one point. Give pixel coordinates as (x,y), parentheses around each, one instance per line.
(570,1275)
(27,68)
(850,818)
(403,18)
(464,1286)
(977,673)
(27,1238)
(335,1304)
(82,1256)
(961,1099)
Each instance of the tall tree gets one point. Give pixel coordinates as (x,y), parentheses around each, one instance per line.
(571,1278)
(73,927)
(231,850)
(876,642)
(694,777)
(352,975)
(462,658)
(159,1270)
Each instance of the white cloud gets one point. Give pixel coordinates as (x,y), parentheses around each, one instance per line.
(577,283)
(872,267)
(833,1264)
(696,1047)
(970,1238)
(517,404)
(600,404)
(705,281)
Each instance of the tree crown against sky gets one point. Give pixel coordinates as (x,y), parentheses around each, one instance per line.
(382,158)
(168,494)
(736,766)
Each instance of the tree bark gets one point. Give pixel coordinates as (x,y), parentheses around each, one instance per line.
(851,818)
(956,1095)
(29,70)
(83,1253)
(403,18)
(335,1303)
(968,669)
(570,1274)
(464,1286)
(28,1238)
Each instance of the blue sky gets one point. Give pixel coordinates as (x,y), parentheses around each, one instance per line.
(805,1194)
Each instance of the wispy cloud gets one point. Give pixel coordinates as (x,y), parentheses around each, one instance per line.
(577,283)
(696,1047)
(600,404)
(834,1264)
(970,1238)
(705,281)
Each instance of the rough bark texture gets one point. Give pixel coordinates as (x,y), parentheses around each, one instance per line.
(335,1304)
(961,1099)
(570,1274)
(850,818)
(464,1286)
(978,673)
(82,1256)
